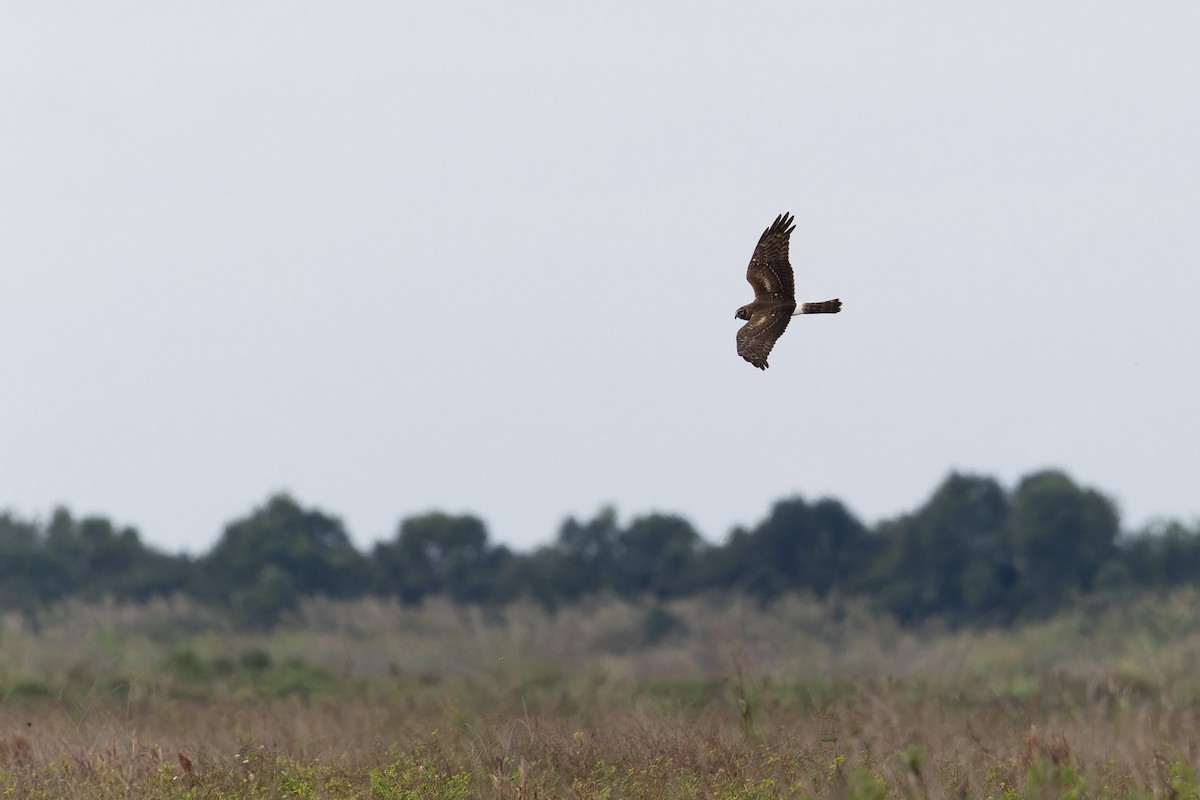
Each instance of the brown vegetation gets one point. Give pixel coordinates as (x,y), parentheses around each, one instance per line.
(717,699)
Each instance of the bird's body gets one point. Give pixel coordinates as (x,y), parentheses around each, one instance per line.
(770,275)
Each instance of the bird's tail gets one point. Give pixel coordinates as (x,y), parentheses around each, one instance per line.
(827,307)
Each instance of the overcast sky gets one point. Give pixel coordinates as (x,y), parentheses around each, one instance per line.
(484,257)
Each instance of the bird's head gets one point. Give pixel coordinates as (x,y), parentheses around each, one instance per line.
(742,313)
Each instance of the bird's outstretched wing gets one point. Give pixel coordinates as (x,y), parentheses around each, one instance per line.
(770,272)
(756,338)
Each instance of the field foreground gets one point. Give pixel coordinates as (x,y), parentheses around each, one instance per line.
(704,698)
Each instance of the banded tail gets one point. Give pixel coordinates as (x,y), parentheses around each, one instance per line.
(827,307)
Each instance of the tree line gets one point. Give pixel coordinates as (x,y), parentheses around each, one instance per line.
(973,553)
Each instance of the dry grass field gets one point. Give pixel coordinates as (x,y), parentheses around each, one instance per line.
(705,698)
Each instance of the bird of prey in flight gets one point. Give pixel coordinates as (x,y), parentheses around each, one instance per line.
(770,275)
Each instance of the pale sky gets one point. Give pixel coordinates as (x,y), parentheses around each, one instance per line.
(484,257)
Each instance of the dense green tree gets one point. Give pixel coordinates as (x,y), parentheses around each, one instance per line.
(94,559)
(816,548)
(1162,555)
(972,553)
(1062,535)
(950,558)
(586,560)
(439,554)
(265,562)
(538,576)
(656,554)
(17,535)
(29,576)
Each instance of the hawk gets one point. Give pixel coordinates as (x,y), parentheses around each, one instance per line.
(770,275)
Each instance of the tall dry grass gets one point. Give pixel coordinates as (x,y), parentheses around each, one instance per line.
(703,697)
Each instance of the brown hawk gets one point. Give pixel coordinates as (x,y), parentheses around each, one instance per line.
(770,275)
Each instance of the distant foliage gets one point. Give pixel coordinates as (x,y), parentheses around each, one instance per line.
(265,562)
(974,553)
(819,548)
(952,557)
(439,554)
(87,558)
